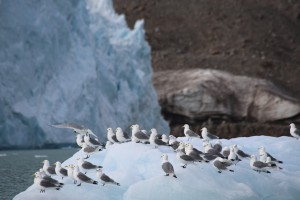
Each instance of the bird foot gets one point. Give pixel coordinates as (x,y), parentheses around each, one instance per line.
(79,184)
(167,175)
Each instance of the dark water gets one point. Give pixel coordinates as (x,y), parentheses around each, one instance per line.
(17,167)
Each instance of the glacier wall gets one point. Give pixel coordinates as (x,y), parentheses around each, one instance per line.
(71,61)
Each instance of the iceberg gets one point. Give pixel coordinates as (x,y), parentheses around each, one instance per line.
(71,61)
(137,167)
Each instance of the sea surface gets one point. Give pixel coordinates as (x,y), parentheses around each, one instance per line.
(17,168)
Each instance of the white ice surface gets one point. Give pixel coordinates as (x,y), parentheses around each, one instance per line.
(137,167)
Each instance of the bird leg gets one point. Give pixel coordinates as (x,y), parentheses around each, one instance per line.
(84,172)
(103,184)
(167,175)
(219,172)
(79,184)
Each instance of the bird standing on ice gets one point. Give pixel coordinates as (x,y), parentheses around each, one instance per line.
(206,135)
(104,178)
(167,166)
(294,131)
(189,133)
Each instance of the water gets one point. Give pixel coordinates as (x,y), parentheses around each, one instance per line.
(17,168)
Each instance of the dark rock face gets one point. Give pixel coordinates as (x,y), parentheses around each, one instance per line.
(199,94)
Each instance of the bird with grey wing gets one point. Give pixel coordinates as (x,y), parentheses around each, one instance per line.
(82,178)
(86,166)
(167,166)
(221,165)
(192,152)
(263,155)
(104,179)
(77,129)
(49,170)
(138,135)
(259,166)
(154,140)
(184,159)
(60,171)
(46,183)
(294,131)
(189,133)
(111,136)
(241,154)
(206,135)
(88,150)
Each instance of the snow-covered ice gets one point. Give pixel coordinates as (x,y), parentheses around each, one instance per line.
(71,61)
(137,167)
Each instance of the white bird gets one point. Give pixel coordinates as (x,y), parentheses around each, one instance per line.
(49,170)
(121,136)
(240,153)
(44,184)
(181,147)
(79,139)
(258,165)
(92,142)
(184,159)
(192,152)
(172,139)
(85,165)
(88,150)
(59,170)
(111,136)
(263,155)
(104,179)
(154,140)
(82,178)
(221,165)
(137,135)
(165,138)
(70,169)
(232,157)
(294,131)
(167,166)
(78,129)
(206,135)
(189,133)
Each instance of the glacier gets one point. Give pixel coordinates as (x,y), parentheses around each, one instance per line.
(137,167)
(71,61)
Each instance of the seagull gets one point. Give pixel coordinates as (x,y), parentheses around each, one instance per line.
(104,178)
(189,149)
(294,131)
(263,155)
(78,129)
(121,136)
(137,135)
(42,183)
(49,170)
(184,159)
(189,133)
(79,139)
(80,177)
(165,138)
(154,140)
(221,165)
(258,165)
(42,174)
(93,142)
(90,150)
(206,135)
(173,142)
(111,136)
(181,147)
(167,166)
(209,150)
(232,157)
(240,153)
(70,169)
(59,170)
(85,165)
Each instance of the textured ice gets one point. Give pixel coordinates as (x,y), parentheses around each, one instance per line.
(71,61)
(138,169)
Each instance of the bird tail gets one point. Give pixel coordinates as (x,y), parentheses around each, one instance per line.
(95,182)
(99,167)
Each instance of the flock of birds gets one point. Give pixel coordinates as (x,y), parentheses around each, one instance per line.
(221,157)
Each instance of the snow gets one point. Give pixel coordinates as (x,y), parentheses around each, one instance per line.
(71,61)
(137,167)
